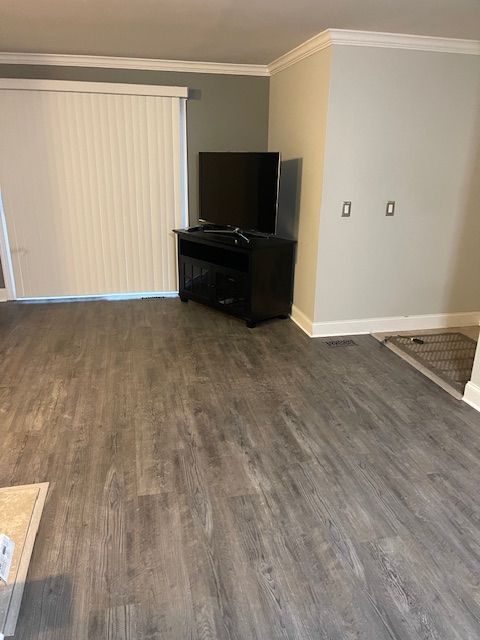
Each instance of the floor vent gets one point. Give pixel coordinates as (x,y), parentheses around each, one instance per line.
(341,343)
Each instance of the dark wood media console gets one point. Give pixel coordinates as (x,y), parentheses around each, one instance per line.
(253,281)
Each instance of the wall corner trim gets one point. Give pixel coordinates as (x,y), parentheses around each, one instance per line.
(319,42)
(346,37)
(394,323)
(472,395)
(302,321)
(142,64)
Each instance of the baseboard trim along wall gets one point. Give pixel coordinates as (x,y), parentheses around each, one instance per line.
(380,325)
(472,395)
(302,321)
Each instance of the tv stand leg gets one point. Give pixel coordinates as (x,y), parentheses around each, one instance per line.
(251,324)
(183,299)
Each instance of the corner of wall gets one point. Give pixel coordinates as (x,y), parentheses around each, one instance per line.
(298,105)
(472,395)
(302,321)
(472,390)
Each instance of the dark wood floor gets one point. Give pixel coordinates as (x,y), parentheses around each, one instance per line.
(210,481)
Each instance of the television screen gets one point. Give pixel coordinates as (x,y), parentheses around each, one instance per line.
(239,189)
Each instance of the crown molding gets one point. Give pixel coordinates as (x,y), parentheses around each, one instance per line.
(306,49)
(323,40)
(143,64)
(344,37)
(404,41)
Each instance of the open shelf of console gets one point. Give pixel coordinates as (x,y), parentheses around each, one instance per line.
(253,280)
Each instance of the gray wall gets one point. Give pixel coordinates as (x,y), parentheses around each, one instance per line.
(224,112)
(403,126)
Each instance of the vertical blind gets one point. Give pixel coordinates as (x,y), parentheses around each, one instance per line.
(92,186)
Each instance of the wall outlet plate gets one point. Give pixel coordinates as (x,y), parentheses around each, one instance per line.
(390,210)
(346,209)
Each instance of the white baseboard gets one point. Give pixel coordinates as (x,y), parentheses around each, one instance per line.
(472,395)
(381,325)
(3,295)
(398,323)
(302,321)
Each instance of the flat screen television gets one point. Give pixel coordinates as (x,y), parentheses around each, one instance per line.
(239,189)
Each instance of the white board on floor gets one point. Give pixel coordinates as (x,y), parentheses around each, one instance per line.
(20,511)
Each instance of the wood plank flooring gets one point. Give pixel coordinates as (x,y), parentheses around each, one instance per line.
(214,482)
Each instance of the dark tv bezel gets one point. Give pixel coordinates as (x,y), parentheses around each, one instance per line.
(205,221)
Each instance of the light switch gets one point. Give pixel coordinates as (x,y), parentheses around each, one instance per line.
(390,208)
(346,209)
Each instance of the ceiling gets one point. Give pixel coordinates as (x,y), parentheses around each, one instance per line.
(237,31)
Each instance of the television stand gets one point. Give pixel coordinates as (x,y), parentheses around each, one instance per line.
(251,280)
